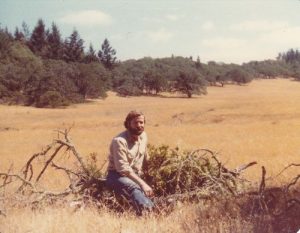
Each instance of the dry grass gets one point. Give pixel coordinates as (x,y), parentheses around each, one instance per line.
(65,220)
(260,121)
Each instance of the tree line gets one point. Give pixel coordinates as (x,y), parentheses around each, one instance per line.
(42,69)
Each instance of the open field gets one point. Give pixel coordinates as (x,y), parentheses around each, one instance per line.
(260,121)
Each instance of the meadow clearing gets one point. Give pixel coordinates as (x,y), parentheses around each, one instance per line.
(259,122)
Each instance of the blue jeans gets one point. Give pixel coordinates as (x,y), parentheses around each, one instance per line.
(123,185)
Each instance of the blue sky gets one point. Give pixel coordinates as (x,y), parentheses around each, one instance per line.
(230,31)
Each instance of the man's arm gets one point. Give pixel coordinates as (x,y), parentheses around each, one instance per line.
(122,166)
(146,188)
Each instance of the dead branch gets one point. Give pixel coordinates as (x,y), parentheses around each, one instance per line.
(293,182)
(48,161)
(26,182)
(34,156)
(284,169)
(242,168)
(71,147)
(263,181)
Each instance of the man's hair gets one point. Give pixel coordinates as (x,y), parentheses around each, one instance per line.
(131,115)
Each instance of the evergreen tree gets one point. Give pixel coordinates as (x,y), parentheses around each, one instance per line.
(26,31)
(107,55)
(37,42)
(18,34)
(5,42)
(55,49)
(73,48)
(91,55)
(198,63)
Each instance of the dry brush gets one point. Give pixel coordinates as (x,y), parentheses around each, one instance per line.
(175,175)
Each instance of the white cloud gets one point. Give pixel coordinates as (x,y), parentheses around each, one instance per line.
(208,25)
(161,35)
(87,18)
(172,17)
(258,25)
(151,20)
(261,46)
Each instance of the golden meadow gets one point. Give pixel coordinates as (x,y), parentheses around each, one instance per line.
(256,122)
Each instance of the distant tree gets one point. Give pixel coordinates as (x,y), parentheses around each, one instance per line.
(107,55)
(19,34)
(292,55)
(55,45)
(25,31)
(9,35)
(53,85)
(91,55)
(73,48)
(38,42)
(93,80)
(238,75)
(198,63)
(5,43)
(131,86)
(154,81)
(189,83)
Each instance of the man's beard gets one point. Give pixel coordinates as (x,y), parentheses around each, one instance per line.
(136,131)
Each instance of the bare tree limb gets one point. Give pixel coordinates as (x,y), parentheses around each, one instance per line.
(243,167)
(20,178)
(293,182)
(285,168)
(43,152)
(70,146)
(48,161)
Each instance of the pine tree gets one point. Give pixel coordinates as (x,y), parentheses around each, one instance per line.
(19,35)
(55,49)
(91,55)
(198,63)
(73,47)
(37,42)
(5,42)
(25,31)
(107,55)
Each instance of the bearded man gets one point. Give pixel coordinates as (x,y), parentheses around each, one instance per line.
(128,152)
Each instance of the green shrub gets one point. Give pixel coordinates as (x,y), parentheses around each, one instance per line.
(175,171)
(51,99)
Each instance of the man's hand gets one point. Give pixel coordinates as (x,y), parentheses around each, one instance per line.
(145,187)
(147,190)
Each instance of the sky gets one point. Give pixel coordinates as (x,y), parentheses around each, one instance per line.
(229,31)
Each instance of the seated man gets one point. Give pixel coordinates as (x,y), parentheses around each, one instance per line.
(127,154)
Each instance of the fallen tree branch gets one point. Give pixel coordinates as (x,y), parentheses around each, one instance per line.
(26,182)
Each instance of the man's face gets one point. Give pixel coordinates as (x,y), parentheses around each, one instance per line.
(136,126)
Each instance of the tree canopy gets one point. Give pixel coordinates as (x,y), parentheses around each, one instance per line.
(42,69)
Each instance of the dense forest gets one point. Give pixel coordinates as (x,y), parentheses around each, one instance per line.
(40,68)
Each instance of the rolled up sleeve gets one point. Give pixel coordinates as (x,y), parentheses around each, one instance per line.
(119,154)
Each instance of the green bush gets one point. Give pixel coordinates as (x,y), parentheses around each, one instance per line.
(174,171)
(51,99)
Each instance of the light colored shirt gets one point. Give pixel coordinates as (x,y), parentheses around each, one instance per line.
(127,155)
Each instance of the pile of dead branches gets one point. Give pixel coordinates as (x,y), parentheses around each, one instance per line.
(83,180)
(173,174)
